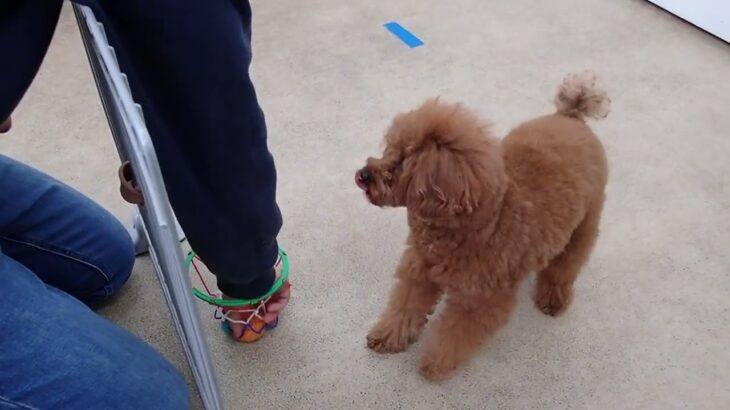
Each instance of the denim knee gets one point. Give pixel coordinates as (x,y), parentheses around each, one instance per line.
(120,257)
(115,259)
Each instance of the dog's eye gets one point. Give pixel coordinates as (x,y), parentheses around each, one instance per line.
(396,167)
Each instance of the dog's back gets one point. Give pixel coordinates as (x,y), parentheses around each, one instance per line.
(557,163)
(555,153)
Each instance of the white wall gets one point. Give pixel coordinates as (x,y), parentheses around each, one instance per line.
(710,15)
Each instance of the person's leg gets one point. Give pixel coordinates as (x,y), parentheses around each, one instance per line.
(187,62)
(70,242)
(26,29)
(55,352)
(38,213)
(58,354)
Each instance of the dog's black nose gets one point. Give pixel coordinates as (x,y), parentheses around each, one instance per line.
(365,176)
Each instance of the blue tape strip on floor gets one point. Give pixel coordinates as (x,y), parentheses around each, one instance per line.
(404,35)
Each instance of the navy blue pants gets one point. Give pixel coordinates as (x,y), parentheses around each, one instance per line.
(188,66)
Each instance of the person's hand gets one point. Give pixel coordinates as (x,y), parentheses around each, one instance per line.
(6,125)
(277,303)
(274,306)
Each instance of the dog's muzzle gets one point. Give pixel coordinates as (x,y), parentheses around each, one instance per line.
(363,178)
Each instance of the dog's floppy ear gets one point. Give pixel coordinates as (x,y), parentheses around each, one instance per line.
(441,184)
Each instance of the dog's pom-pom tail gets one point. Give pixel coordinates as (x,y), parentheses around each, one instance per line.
(581,97)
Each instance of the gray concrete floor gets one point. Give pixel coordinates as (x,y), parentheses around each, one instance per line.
(650,326)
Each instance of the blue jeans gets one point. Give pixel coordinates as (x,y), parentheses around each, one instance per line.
(59,254)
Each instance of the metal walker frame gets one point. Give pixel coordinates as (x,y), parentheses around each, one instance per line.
(133,143)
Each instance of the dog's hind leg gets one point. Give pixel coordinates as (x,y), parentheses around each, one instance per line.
(554,288)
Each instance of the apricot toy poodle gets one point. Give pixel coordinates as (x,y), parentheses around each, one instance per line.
(482,215)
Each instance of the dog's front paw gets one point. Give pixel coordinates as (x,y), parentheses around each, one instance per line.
(435,371)
(552,299)
(394,334)
(384,344)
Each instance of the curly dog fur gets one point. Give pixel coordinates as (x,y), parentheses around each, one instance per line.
(483,214)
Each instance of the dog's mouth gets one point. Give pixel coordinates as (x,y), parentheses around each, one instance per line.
(360,182)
